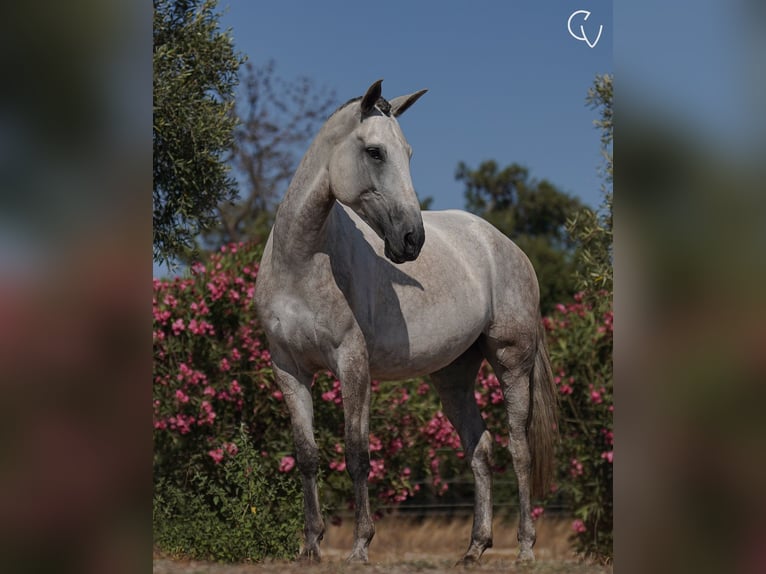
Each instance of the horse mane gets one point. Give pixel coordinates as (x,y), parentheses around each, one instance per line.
(382,104)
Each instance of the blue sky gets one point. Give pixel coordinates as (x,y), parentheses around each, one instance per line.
(700,63)
(506,80)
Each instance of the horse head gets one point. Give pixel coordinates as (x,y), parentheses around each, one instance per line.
(370,173)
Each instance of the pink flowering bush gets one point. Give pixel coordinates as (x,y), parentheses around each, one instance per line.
(580,342)
(219,431)
(213,381)
(224,451)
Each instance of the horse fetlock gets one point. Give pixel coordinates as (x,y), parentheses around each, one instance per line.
(526,556)
(364,531)
(358,555)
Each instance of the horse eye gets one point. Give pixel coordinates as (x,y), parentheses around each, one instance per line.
(374,153)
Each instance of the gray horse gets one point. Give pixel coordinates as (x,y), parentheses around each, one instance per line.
(458,291)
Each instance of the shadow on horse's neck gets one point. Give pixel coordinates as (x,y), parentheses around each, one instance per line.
(367,281)
(350,248)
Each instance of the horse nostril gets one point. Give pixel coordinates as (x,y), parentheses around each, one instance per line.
(409,240)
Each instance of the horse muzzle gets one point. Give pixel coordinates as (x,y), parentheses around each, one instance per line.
(407,248)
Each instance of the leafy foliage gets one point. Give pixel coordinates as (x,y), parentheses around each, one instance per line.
(213,379)
(580,344)
(213,382)
(593,231)
(233,511)
(533,214)
(213,386)
(195,72)
(581,348)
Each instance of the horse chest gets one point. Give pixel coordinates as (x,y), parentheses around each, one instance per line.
(305,321)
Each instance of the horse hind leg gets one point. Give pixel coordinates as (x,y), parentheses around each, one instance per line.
(455,385)
(512,367)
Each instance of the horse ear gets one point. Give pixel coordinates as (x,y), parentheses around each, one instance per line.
(371,97)
(399,105)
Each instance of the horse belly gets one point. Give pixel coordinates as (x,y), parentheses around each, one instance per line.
(417,340)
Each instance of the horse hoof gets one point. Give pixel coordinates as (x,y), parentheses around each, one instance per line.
(525,557)
(467,561)
(356,559)
(309,557)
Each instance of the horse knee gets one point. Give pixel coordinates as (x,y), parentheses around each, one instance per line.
(307,458)
(482,458)
(358,465)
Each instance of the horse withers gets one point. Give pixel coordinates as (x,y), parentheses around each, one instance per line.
(355,279)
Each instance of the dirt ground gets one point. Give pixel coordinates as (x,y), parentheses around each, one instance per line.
(402,545)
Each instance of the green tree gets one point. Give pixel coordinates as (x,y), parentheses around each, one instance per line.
(593,231)
(195,73)
(533,214)
(580,339)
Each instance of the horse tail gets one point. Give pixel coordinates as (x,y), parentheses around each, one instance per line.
(542,431)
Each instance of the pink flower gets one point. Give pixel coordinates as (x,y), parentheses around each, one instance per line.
(286,464)
(334,395)
(277,395)
(395,446)
(537,512)
(579,526)
(576,468)
(208,414)
(181,396)
(216,455)
(377,469)
(178,326)
(181,423)
(609,455)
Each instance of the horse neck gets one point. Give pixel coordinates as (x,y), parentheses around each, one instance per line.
(300,221)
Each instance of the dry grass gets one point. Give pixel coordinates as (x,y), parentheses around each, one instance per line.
(402,545)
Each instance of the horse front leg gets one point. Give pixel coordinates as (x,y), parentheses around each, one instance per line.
(355,386)
(296,390)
